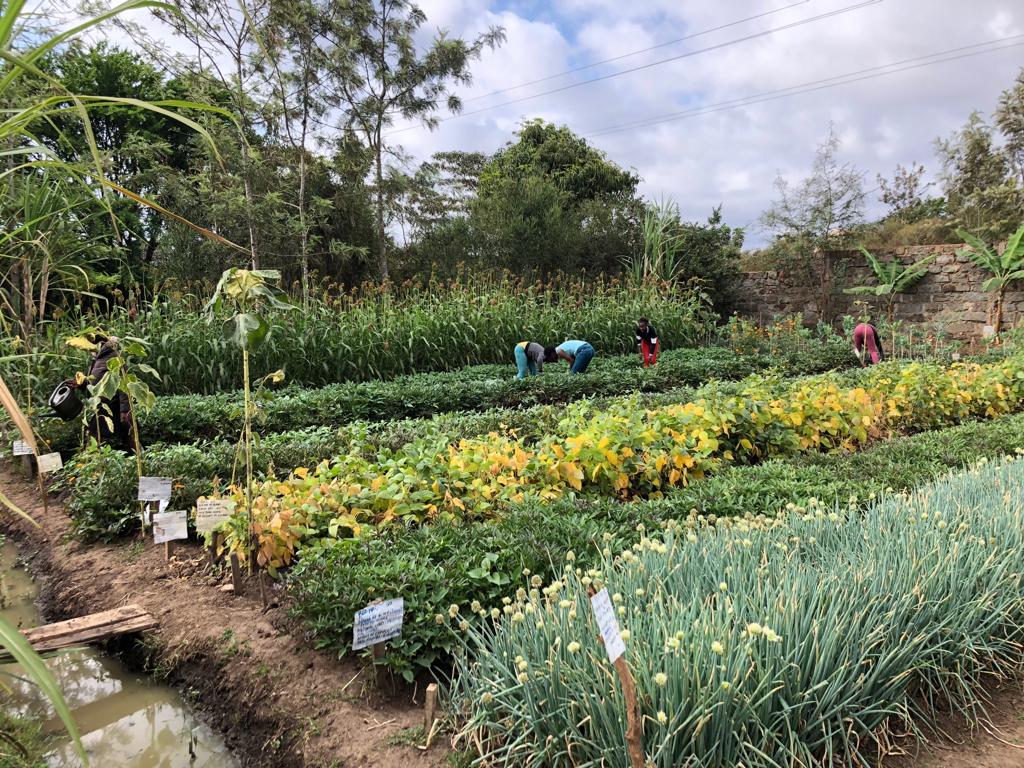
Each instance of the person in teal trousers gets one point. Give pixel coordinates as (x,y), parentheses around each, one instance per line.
(530,358)
(577,353)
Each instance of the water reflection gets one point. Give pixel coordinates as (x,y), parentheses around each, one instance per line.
(126,720)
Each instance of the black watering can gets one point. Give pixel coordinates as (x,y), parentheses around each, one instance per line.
(65,402)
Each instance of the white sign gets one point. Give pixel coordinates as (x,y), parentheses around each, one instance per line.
(49,462)
(988,331)
(604,612)
(377,623)
(212,512)
(170,526)
(21,448)
(154,488)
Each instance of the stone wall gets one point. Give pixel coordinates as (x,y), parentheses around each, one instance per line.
(949,295)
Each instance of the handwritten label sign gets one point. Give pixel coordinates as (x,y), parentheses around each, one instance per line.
(21,448)
(49,462)
(212,512)
(988,331)
(154,488)
(604,612)
(170,526)
(377,623)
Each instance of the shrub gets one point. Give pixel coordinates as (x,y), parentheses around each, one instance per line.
(764,644)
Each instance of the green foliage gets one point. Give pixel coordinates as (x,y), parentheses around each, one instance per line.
(1005,268)
(529,535)
(184,418)
(891,277)
(381,333)
(25,745)
(830,622)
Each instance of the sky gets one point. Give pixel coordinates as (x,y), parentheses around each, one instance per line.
(727,156)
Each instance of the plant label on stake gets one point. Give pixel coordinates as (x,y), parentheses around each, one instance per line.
(212,512)
(21,448)
(155,488)
(49,462)
(377,623)
(170,526)
(604,613)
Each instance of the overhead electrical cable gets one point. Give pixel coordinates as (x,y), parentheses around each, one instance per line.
(620,57)
(641,67)
(870,73)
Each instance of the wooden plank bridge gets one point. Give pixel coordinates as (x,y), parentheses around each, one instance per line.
(94,628)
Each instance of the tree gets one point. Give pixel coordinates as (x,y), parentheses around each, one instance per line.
(891,278)
(903,193)
(825,209)
(549,201)
(1010,120)
(1006,268)
(379,76)
(983,196)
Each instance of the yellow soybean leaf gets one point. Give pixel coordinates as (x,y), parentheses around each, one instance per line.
(301,473)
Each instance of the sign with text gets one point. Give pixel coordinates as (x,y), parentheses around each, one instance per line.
(21,448)
(377,623)
(49,462)
(170,526)
(154,488)
(212,512)
(604,612)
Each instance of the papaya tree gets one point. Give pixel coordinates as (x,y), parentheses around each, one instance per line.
(246,294)
(891,278)
(1006,267)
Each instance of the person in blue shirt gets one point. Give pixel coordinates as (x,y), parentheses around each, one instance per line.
(577,353)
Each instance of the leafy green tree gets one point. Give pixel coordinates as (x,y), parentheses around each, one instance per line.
(1010,120)
(983,195)
(1006,267)
(891,278)
(379,76)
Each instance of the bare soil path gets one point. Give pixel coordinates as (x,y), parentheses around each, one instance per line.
(250,671)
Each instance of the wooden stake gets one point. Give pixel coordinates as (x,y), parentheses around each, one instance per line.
(378,654)
(236,574)
(430,707)
(212,549)
(168,549)
(26,465)
(634,737)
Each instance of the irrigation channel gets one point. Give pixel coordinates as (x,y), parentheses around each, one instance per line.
(126,719)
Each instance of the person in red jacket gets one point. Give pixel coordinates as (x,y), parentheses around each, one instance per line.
(647,340)
(867,344)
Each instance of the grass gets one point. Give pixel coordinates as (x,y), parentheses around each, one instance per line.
(22,742)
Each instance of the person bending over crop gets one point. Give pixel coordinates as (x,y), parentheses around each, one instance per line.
(647,340)
(867,344)
(530,358)
(114,418)
(577,353)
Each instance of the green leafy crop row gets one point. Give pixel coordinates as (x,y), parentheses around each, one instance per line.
(186,418)
(447,563)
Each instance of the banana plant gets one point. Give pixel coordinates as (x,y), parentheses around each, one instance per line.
(246,293)
(1006,268)
(891,278)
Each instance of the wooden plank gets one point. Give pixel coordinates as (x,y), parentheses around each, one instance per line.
(89,629)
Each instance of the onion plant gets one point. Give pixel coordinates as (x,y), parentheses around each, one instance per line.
(808,639)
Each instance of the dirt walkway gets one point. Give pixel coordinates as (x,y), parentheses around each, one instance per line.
(278,702)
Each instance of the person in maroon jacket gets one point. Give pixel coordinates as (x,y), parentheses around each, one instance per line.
(867,344)
(647,340)
(113,421)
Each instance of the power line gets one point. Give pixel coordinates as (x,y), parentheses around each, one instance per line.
(728,43)
(636,53)
(817,85)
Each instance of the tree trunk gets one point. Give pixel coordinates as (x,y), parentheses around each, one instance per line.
(303,230)
(382,254)
(997,321)
(250,218)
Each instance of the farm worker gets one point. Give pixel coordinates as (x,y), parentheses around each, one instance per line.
(577,353)
(867,344)
(530,358)
(116,408)
(647,340)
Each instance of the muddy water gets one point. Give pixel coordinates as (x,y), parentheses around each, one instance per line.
(126,720)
